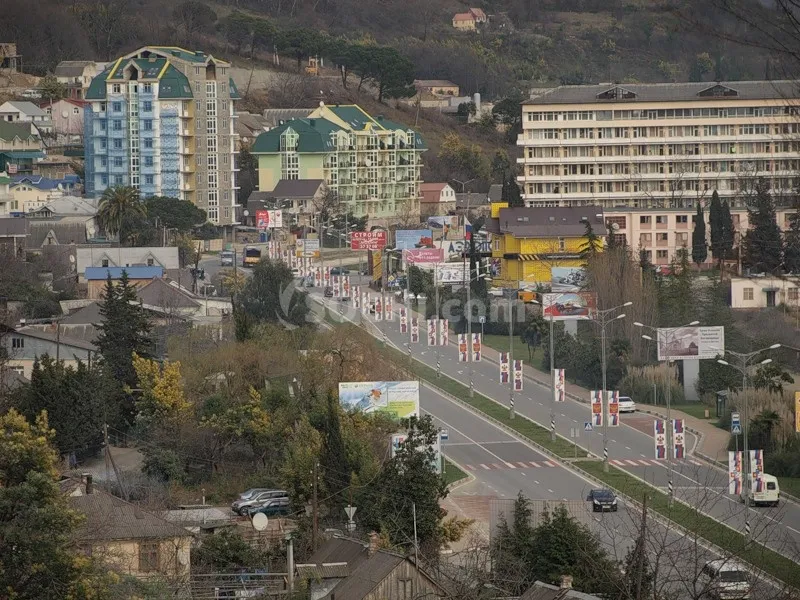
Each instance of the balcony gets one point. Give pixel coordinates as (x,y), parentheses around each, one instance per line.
(662,243)
(663,224)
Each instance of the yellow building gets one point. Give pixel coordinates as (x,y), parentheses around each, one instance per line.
(530,242)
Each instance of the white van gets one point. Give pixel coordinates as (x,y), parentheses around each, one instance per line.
(726,580)
(769,495)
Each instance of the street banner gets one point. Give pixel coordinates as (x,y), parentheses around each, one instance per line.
(418,256)
(403,320)
(734,472)
(660,439)
(569,306)
(444,332)
(414,330)
(681,343)
(378,308)
(560,385)
(613,408)
(797,412)
(399,399)
(388,312)
(476,347)
(517,375)
(597,407)
(357,297)
(368,240)
(432,337)
(463,348)
(337,290)
(504,366)
(757,470)
(326,276)
(678,439)
(346,286)
(318,277)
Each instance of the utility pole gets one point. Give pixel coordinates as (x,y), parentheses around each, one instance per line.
(553,382)
(436,294)
(510,355)
(640,548)
(315,506)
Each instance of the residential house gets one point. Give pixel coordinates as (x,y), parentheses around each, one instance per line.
(464,21)
(13,233)
(20,148)
(55,166)
(479,15)
(545,591)
(278,116)
(8,204)
(147,256)
(248,127)
(765,291)
(299,199)
(25,345)
(473,202)
(21,111)
(63,220)
(200,519)
(67,117)
(77,76)
(32,192)
(496,192)
(529,242)
(436,87)
(10,60)
(134,541)
(438,199)
(372,164)
(161,119)
(96,277)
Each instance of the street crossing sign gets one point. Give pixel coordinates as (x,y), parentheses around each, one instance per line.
(736,424)
(444,435)
(587,426)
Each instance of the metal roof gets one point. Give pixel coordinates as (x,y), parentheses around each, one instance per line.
(367,576)
(323,571)
(548,222)
(25,107)
(297,188)
(71,68)
(53,336)
(9,131)
(95,273)
(13,227)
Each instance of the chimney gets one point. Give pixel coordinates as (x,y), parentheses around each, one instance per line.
(566,582)
(374,543)
(87,478)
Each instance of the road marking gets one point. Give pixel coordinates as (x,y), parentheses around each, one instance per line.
(792,528)
(522,464)
(643,456)
(618,463)
(510,466)
(630,462)
(563,415)
(496,466)
(549,464)
(536,482)
(626,447)
(470,467)
(645,463)
(533,464)
(484,466)
(551,491)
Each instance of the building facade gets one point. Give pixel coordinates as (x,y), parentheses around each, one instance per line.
(20,148)
(26,345)
(372,164)
(764,292)
(77,75)
(659,146)
(160,119)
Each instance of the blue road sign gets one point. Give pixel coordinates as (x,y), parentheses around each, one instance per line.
(444,435)
(587,426)
(736,429)
(736,423)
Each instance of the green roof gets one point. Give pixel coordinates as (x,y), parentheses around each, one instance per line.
(182,53)
(149,68)
(356,118)
(234,90)
(97,89)
(5,180)
(8,131)
(314,136)
(395,126)
(174,84)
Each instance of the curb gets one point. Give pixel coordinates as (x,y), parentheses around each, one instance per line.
(459,482)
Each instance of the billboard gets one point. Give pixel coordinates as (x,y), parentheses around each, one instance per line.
(307,248)
(679,343)
(368,240)
(408,239)
(451,273)
(266,219)
(399,399)
(569,306)
(567,279)
(456,247)
(436,465)
(424,256)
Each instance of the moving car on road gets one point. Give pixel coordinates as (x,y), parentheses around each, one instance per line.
(328,292)
(226,258)
(726,580)
(626,404)
(768,492)
(603,500)
(252,256)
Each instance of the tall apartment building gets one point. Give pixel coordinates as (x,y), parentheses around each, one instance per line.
(373,164)
(161,119)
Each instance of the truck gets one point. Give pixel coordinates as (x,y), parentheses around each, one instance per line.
(768,493)
(252,256)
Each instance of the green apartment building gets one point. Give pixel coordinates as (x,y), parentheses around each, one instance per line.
(373,164)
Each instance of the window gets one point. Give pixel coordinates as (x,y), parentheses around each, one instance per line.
(682,219)
(747,294)
(661,220)
(116,106)
(793,294)
(147,124)
(661,254)
(103,161)
(116,89)
(104,262)
(117,126)
(148,161)
(148,142)
(149,262)
(405,589)
(104,179)
(148,88)
(117,179)
(17,342)
(148,557)
(644,220)
(102,125)
(103,143)
(148,179)
(562,244)
(76,110)
(118,161)
(117,144)
(147,106)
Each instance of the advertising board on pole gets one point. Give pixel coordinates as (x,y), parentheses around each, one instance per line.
(451,273)
(408,239)
(403,320)
(680,343)
(734,472)
(613,408)
(678,439)
(660,439)
(419,256)
(463,348)
(595,397)
(504,365)
(517,368)
(569,306)
(444,332)
(414,330)
(399,399)
(476,347)
(368,240)
(560,387)
(432,337)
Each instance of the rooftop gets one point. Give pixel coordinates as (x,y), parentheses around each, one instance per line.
(72,68)
(463,17)
(23,106)
(53,336)
(434,83)
(95,273)
(547,222)
(297,188)
(9,131)
(432,187)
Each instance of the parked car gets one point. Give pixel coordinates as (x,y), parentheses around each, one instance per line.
(340,271)
(241,506)
(603,500)
(626,404)
(226,258)
(271,508)
(328,292)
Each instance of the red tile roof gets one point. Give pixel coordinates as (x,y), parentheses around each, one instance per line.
(463,17)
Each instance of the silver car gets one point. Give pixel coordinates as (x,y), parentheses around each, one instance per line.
(259,497)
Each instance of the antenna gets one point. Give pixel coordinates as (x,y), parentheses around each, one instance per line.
(260,521)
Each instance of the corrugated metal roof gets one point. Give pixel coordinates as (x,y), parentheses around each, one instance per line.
(71,68)
(161,294)
(95,273)
(340,549)
(549,222)
(52,336)
(323,571)
(367,576)
(13,227)
(297,188)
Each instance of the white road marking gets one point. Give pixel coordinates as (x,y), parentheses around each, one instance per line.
(551,491)
(484,466)
(626,447)
(510,466)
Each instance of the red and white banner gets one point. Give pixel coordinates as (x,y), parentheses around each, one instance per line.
(504,367)
(326,276)
(388,313)
(318,277)
(660,439)
(734,472)
(432,335)
(444,332)
(678,439)
(266,219)
(414,330)
(357,297)
(345,286)
(419,256)
(463,348)
(378,308)
(368,240)
(403,320)
(559,385)
(613,408)
(517,375)
(596,397)
(476,347)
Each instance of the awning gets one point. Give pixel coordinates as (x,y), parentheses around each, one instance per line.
(22,153)
(771,289)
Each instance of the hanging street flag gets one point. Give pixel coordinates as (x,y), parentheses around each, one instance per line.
(560,386)
(613,408)
(597,407)
(797,412)
(444,332)
(379,308)
(403,320)
(504,366)
(432,337)
(414,330)
(678,439)
(517,375)
(336,289)
(757,470)
(463,349)
(365,303)
(388,312)
(734,472)
(660,439)
(346,286)
(357,297)
(317,277)
(476,347)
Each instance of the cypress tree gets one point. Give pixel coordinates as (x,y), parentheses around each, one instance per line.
(728,232)
(715,222)
(514,196)
(699,248)
(791,251)
(763,244)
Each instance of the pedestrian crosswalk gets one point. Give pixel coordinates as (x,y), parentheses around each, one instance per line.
(649,462)
(510,465)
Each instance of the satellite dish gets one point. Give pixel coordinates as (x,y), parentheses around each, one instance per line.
(615,226)
(64,114)
(260,521)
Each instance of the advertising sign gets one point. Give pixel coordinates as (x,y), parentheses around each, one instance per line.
(403,320)
(797,412)
(408,239)
(734,472)
(432,336)
(567,279)
(560,385)
(451,273)
(444,332)
(378,308)
(757,469)
(436,464)
(262,219)
(346,286)
(365,305)
(476,347)
(337,292)
(455,248)
(660,439)
(504,366)
(463,348)
(414,330)
(678,439)
(266,219)
(613,408)
(679,343)
(368,240)
(399,399)
(595,397)
(388,312)
(517,375)
(569,306)
(441,222)
(419,256)
(357,297)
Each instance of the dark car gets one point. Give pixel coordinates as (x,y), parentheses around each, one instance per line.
(328,292)
(242,505)
(603,500)
(271,508)
(340,271)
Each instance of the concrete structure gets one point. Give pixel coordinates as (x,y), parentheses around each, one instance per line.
(67,117)
(77,76)
(149,256)
(438,199)
(299,199)
(437,87)
(10,60)
(531,241)
(762,292)
(372,164)
(658,145)
(160,119)
(22,111)
(25,345)
(96,277)
(32,192)
(20,148)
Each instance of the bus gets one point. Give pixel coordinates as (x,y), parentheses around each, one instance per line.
(252,256)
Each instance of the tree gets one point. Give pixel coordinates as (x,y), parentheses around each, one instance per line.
(511,192)
(248,174)
(771,377)
(392,73)
(270,295)
(728,232)
(161,402)
(51,89)
(535,329)
(226,552)
(699,248)
(193,17)
(715,221)
(462,161)
(116,204)
(173,213)
(593,244)
(791,250)
(335,463)
(762,243)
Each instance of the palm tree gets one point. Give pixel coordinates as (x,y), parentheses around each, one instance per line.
(116,204)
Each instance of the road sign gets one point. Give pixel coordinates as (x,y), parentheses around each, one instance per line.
(587,426)
(444,435)
(350,511)
(736,424)
(482,319)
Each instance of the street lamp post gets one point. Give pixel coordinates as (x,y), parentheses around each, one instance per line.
(668,395)
(602,319)
(510,356)
(743,365)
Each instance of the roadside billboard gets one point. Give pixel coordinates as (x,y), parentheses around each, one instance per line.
(680,343)
(269,219)
(419,256)
(368,240)
(569,306)
(567,279)
(408,239)
(399,399)
(307,248)
(456,247)
(451,273)
(436,464)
